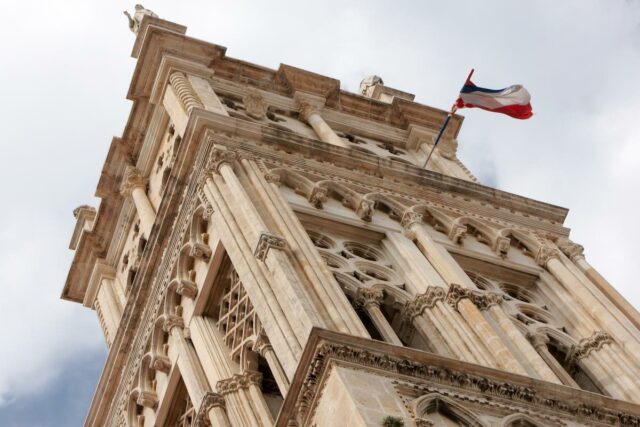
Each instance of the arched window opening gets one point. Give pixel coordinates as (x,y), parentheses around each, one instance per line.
(181,413)
(573,368)
(442,414)
(270,390)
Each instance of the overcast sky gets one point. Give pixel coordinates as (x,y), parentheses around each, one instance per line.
(64,75)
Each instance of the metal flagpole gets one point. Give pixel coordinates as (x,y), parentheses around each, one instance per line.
(444,125)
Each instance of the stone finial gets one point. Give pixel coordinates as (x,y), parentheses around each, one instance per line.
(136,19)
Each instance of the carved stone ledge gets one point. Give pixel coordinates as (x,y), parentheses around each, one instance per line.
(210,400)
(220,157)
(267,241)
(588,345)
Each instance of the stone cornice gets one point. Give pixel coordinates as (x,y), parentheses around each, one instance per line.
(347,160)
(325,350)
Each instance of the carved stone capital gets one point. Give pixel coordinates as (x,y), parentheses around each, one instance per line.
(368,297)
(186,288)
(254,105)
(538,340)
(228,385)
(252,378)
(267,241)
(272,178)
(457,233)
(457,293)
(545,254)
(220,157)
(147,398)
(409,218)
(485,300)
(572,250)
(318,196)
(210,400)
(502,245)
(307,109)
(131,179)
(365,209)
(200,251)
(172,321)
(262,345)
(428,299)
(161,363)
(588,345)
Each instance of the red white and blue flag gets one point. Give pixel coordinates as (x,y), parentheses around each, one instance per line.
(513,101)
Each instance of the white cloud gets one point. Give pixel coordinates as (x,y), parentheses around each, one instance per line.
(66,73)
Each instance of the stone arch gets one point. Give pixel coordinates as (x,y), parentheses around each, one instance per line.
(134,411)
(298,183)
(434,402)
(346,195)
(528,242)
(146,375)
(395,208)
(158,346)
(435,218)
(487,235)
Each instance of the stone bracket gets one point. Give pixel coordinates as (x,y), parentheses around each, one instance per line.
(267,241)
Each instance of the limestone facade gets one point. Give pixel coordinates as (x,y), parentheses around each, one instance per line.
(269,251)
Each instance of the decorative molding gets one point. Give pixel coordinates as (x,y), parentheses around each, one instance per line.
(267,241)
(208,208)
(254,105)
(481,299)
(409,218)
(588,345)
(428,299)
(368,296)
(211,400)
(457,233)
(186,94)
(519,396)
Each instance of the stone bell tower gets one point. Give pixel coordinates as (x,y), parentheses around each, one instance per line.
(268,250)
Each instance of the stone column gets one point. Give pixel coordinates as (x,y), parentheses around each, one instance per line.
(212,412)
(192,374)
(310,113)
(252,381)
(451,272)
(263,347)
(370,300)
(237,402)
(134,185)
(539,341)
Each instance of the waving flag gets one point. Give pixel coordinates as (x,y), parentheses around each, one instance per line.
(513,101)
